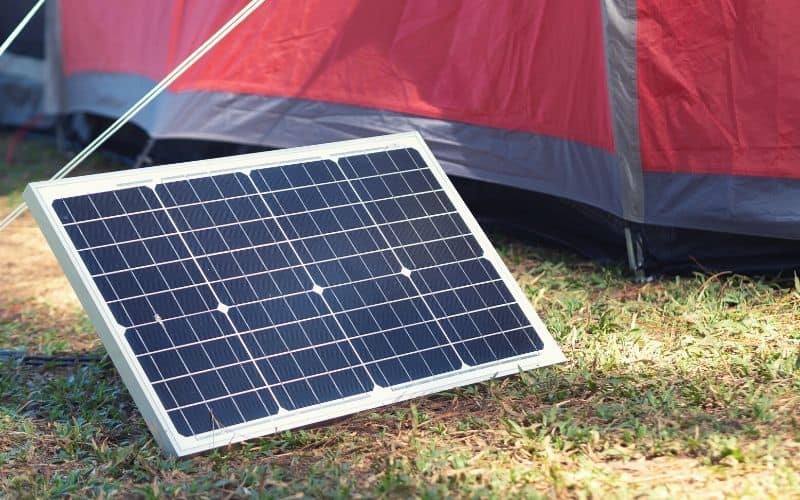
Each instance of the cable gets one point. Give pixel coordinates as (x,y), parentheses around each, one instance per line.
(145,100)
(23,358)
(25,20)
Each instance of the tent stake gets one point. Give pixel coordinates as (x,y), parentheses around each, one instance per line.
(144,155)
(635,254)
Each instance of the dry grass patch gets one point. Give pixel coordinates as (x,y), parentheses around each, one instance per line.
(29,272)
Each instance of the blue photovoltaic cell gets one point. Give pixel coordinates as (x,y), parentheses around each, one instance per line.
(294,285)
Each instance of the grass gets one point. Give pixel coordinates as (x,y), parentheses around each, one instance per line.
(682,387)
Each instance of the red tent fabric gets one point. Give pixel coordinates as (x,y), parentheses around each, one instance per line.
(662,112)
(466,62)
(718,87)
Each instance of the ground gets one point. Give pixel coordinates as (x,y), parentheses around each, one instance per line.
(686,386)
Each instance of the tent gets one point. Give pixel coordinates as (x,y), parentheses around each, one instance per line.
(671,126)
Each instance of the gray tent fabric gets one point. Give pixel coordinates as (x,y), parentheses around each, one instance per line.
(21,84)
(481,153)
(733,204)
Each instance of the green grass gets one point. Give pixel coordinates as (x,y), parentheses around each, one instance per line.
(35,160)
(682,387)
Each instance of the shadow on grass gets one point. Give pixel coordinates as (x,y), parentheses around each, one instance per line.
(653,411)
(82,421)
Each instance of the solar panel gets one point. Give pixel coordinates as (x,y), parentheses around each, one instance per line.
(246,295)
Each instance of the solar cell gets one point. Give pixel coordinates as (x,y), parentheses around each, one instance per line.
(245,295)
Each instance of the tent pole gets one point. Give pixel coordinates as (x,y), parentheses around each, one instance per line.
(145,100)
(25,20)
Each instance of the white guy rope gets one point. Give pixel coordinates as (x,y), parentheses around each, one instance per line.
(25,20)
(145,100)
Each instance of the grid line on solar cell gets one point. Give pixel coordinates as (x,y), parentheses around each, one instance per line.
(259,368)
(111,302)
(494,282)
(201,389)
(388,245)
(280,209)
(132,270)
(474,361)
(355,309)
(459,299)
(169,394)
(360,297)
(306,335)
(68,219)
(324,344)
(265,245)
(109,235)
(303,265)
(243,295)
(334,371)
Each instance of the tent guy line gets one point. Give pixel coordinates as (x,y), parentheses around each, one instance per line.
(143,101)
(24,22)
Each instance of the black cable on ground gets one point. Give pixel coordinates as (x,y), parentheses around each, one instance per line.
(24,358)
